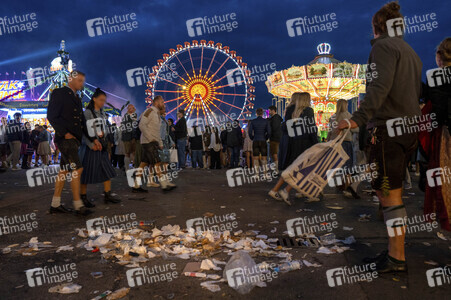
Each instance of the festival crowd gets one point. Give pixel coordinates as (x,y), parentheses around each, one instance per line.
(150,141)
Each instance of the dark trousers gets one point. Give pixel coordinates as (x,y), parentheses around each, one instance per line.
(120,161)
(215,159)
(235,157)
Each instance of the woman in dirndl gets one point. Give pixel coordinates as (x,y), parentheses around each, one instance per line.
(96,162)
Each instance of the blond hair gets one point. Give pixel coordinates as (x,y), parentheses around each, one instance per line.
(301,101)
(342,106)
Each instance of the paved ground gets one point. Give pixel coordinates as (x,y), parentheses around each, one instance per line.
(204,191)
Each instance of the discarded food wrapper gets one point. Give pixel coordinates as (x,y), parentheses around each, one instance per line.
(195,274)
(65,248)
(118,294)
(441,236)
(96,274)
(274,230)
(349,240)
(347,228)
(103,295)
(192,267)
(65,288)
(309,264)
(274,222)
(364,217)
(335,207)
(209,285)
(431,262)
(209,265)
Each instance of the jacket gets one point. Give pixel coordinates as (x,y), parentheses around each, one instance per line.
(440,97)
(234,136)
(149,125)
(259,129)
(65,114)
(181,131)
(14,131)
(394,91)
(275,122)
(129,123)
(196,141)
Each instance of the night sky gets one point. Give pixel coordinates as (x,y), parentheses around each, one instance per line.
(260,37)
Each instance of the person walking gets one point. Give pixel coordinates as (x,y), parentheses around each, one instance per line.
(259,132)
(181,133)
(65,114)
(14,133)
(342,113)
(234,141)
(34,140)
(206,140)
(129,124)
(27,147)
(3,143)
(292,144)
(44,145)
(196,143)
(247,144)
(215,149)
(275,122)
(436,144)
(95,160)
(151,141)
(394,93)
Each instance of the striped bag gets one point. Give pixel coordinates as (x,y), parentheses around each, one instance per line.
(308,173)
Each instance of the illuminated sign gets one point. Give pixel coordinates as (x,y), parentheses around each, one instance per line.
(12,87)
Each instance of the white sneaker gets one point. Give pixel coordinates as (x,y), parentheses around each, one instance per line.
(284,194)
(153,184)
(275,195)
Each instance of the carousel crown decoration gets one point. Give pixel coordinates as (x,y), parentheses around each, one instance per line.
(323,48)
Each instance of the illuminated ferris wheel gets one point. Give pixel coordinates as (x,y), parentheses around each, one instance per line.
(207,80)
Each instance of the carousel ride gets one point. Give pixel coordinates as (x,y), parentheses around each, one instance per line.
(207,80)
(325,78)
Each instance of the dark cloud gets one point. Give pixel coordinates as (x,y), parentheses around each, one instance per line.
(261,36)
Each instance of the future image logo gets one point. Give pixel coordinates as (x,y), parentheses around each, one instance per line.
(18,23)
(311,24)
(235,77)
(339,176)
(438,176)
(438,276)
(51,275)
(301,126)
(409,125)
(311,225)
(353,274)
(216,223)
(154,274)
(395,27)
(438,76)
(209,25)
(109,25)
